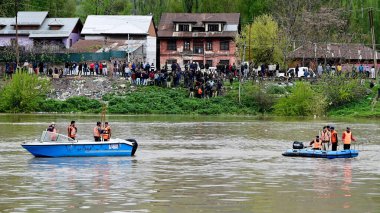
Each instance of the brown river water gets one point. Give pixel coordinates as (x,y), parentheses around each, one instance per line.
(190,164)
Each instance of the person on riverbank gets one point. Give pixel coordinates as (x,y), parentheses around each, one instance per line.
(347,138)
(106,133)
(72,130)
(334,139)
(316,143)
(326,137)
(97,131)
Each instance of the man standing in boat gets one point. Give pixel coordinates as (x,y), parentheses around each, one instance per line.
(97,131)
(326,137)
(72,130)
(347,138)
(334,139)
(106,132)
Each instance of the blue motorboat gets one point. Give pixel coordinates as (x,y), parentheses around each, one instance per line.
(299,151)
(58,145)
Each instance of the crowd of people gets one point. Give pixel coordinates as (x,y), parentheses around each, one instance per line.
(329,136)
(100,133)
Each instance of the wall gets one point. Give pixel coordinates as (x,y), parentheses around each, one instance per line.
(74,36)
(22,41)
(215,55)
(151,50)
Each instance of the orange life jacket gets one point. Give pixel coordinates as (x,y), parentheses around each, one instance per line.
(334,136)
(347,137)
(106,132)
(325,136)
(317,144)
(72,131)
(96,132)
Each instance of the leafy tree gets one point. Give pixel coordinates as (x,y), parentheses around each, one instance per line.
(263,40)
(23,93)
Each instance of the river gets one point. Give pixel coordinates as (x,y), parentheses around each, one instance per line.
(190,164)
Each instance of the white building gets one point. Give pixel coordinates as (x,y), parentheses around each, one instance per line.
(134,34)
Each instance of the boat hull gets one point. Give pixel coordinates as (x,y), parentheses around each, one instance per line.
(350,153)
(94,149)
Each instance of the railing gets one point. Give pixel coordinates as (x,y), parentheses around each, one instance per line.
(55,137)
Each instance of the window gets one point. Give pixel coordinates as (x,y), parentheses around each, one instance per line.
(209,45)
(13,42)
(172,45)
(224,45)
(198,47)
(213,27)
(186,45)
(171,61)
(225,62)
(183,27)
(209,63)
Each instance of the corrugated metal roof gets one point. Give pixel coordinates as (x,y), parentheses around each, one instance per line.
(231,23)
(44,31)
(337,51)
(30,18)
(100,24)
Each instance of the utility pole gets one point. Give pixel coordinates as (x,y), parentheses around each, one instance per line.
(249,42)
(17,52)
(241,64)
(370,13)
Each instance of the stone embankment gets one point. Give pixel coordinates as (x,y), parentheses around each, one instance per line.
(91,87)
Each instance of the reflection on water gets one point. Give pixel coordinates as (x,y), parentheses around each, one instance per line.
(190,166)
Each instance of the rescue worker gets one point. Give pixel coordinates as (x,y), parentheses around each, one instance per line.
(326,137)
(52,131)
(51,128)
(106,132)
(316,143)
(72,130)
(98,131)
(334,139)
(347,138)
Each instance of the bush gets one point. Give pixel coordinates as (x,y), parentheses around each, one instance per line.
(23,93)
(276,90)
(303,101)
(340,91)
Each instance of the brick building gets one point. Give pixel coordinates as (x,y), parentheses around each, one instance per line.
(205,38)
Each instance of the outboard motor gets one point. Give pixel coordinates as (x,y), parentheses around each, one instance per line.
(298,145)
(135,145)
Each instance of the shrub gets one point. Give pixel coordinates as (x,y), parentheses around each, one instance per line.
(23,93)
(302,101)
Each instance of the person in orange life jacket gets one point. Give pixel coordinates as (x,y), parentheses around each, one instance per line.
(97,131)
(326,137)
(316,143)
(334,139)
(347,138)
(106,132)
(72,130)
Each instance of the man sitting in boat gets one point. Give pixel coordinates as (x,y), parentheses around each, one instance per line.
(316,143)
(72,130)
(52,131)
(51,128)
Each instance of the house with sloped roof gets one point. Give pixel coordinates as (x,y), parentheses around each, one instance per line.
(203,38)
(37,30)
(134,34)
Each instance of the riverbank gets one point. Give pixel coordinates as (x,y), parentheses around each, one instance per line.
(89,94)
